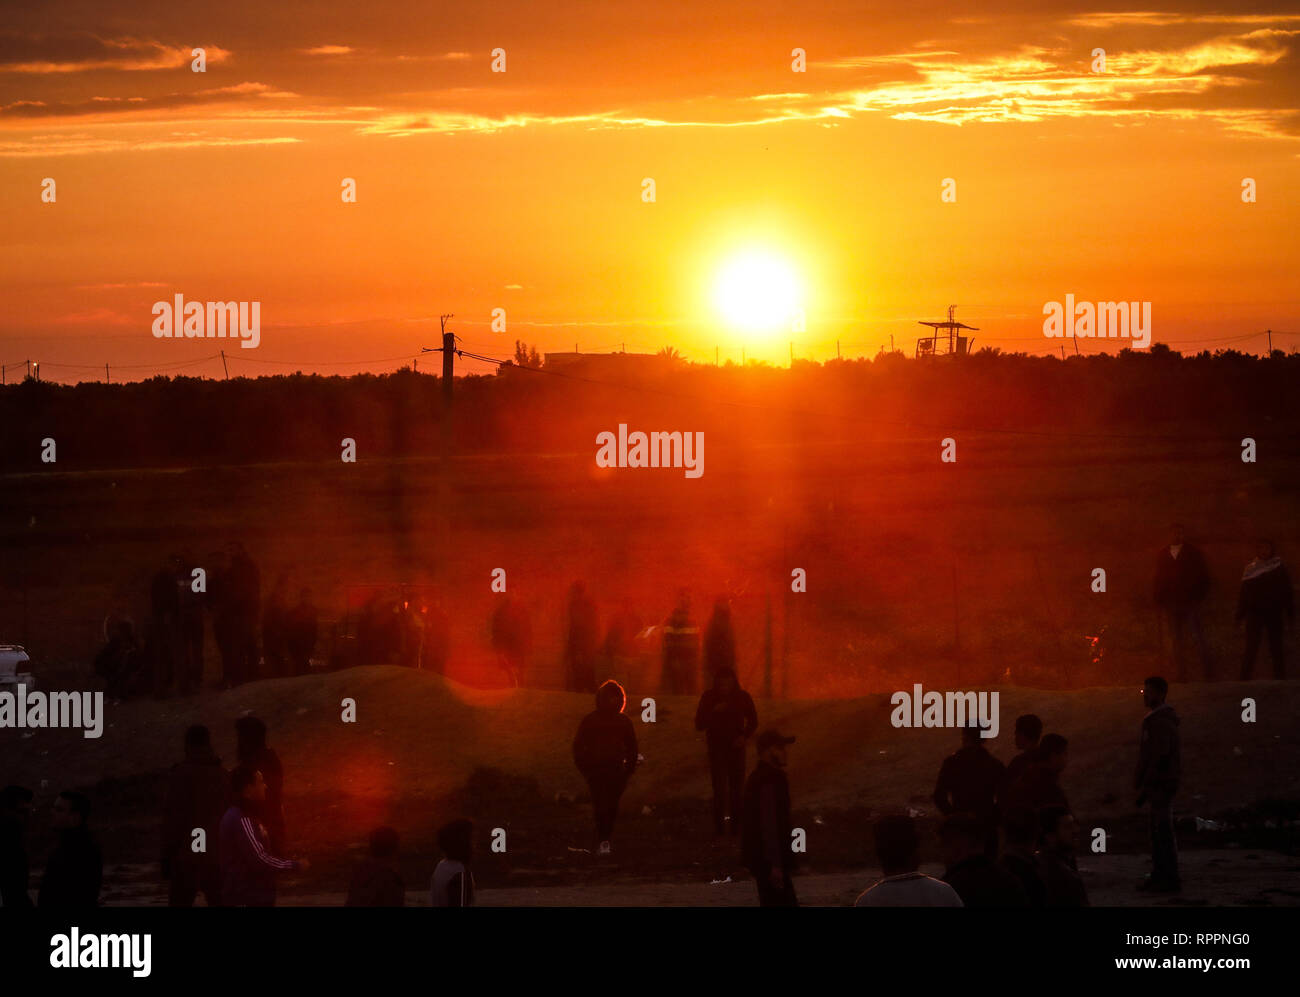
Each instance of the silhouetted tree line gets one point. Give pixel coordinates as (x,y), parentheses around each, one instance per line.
(185,421)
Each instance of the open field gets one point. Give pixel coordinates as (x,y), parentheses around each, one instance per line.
(968,575)
(974,571)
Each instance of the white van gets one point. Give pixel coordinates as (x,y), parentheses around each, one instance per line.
(14,663)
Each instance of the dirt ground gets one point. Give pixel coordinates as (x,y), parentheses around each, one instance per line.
(1213,878)
(424,750)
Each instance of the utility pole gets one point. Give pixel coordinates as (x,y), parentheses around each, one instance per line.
(837,349)
(107,381)
(223,365)
(1270,341)
(448,356)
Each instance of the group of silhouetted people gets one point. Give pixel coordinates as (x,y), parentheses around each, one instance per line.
(222,835)
(1009,835)
(1265,604)
(377,882)
(687,662)
(222,832)
(757,809)
(169,655)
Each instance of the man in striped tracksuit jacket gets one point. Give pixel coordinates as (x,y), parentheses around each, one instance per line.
(248,869)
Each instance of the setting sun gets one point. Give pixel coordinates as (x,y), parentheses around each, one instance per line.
(757,291)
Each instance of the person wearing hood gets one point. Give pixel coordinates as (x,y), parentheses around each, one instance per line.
(197,793)
(1264,603)
(1159,771)
(75,870)
(605,752)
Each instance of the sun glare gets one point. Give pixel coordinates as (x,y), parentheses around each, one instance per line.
(757,291)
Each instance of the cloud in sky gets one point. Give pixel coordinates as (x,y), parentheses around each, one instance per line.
(82,52)
(1229,70)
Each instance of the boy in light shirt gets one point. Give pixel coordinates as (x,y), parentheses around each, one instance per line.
(903,885)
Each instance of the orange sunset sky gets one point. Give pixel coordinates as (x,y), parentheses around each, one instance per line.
(522,190)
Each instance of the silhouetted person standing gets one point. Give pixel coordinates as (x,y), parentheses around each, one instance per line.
(1265,602)
(1029,730)
(765,824)
(248,863)
(301,633)
(969,782)
(376,881)
(1020,830)
(727,716)
(1039,785)
(605,752)
(15,810)
(198,791)
(719,641)
(581,641)
(1062,884)
(452,883)
(1159,771)
(903,884)
(978,880)
(1182,582)
(253,753)
(75,870)
(681,649)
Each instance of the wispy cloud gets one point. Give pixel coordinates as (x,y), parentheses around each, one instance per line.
(1220,69)
(82,144)
(96,106)
(83,52)
(1167,19)
(120,286)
